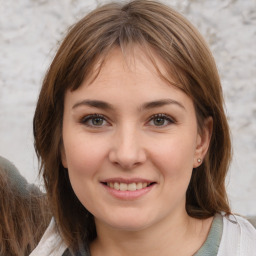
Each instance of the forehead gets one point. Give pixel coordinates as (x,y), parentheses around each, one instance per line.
(133,59)
(129,79)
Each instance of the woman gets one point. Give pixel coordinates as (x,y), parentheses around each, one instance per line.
(24,214)
(133,140)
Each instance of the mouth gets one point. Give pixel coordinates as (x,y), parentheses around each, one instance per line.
(132,186)
(128,189)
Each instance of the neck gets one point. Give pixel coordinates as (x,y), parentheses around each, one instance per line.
(179,235)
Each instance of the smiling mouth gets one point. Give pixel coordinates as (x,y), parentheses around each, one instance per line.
(128,186)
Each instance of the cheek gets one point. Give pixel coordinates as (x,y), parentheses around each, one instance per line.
(84,154)
(174,159)
(174,155)
(84,161)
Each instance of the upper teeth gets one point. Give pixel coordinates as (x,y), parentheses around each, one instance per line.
(130,187)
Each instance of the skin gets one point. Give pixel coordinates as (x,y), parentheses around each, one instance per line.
(147,129)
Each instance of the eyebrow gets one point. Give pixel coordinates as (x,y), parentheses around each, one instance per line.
(161,103)
(148,105)
(94,104)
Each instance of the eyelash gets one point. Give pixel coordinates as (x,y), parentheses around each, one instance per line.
(86,119)
(165,117)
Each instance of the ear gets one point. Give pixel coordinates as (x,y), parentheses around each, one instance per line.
(63,157)
(203,141)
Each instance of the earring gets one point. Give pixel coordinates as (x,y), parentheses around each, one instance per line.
(199,160)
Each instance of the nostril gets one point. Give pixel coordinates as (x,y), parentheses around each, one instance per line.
(127,157)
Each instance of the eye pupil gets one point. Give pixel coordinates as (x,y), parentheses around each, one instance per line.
(159,121)
(97,121)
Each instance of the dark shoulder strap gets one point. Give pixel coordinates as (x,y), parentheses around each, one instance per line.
(68,253)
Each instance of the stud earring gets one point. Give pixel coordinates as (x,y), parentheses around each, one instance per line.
(199,160)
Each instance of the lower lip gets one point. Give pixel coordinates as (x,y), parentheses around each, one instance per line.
(128,195)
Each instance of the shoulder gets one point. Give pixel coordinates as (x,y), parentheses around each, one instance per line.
(238,238)
(51,243)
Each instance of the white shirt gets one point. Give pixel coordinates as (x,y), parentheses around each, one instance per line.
(238,237)
(51,244)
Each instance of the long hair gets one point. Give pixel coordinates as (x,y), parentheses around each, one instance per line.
(159,30)
(24,213)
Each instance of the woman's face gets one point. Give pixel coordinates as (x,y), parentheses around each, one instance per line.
(130,144)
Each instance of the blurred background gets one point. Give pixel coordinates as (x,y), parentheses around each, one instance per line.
(31,30)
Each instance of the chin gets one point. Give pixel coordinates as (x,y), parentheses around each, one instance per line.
(129,223)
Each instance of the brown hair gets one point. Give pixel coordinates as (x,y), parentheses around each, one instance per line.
(161,31)
(24,212)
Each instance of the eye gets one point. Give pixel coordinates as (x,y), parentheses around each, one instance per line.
(94,120)
(160,120)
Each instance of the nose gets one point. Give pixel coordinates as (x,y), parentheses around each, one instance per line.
(127,150)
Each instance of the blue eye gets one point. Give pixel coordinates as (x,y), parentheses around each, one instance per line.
(94,120)
(160,120)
